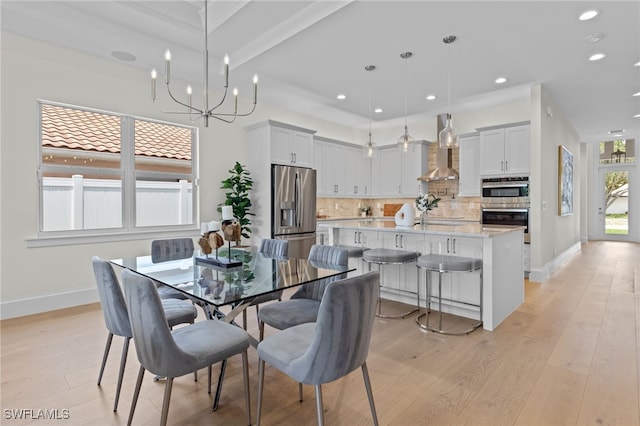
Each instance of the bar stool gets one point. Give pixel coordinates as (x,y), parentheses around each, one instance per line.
(355,252)
(384,256)
(443,264)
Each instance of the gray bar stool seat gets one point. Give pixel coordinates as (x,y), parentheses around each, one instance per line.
(355,252)
(443,264)
(386,256)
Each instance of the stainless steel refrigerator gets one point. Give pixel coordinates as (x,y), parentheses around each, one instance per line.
(293,207)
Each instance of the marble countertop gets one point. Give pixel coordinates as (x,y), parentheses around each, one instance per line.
(437,226)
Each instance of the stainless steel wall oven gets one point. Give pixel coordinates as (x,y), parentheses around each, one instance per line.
(505,201)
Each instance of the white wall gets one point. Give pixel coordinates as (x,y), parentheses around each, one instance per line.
(35,279)
(553,236)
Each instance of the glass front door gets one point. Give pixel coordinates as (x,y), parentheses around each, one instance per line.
(614,212)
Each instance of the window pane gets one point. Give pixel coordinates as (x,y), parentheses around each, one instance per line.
(73,137)
(166,202)
(617,203)
(618,151)
(72,202)
(162,147)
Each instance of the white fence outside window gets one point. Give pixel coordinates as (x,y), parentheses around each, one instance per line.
(79,203)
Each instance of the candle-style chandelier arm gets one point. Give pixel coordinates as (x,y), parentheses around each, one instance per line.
(205,112)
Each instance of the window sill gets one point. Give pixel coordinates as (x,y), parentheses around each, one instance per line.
(65,240)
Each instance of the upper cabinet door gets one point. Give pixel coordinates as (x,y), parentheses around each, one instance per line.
(291,146)
(492,152)
(469,169)
(390,164)
(505,151)
(281,146)
(517,149)
(302,149)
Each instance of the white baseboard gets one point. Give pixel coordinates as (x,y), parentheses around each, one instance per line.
(543,274)
(46,303)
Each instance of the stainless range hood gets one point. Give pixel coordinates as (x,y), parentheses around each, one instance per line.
(444,168)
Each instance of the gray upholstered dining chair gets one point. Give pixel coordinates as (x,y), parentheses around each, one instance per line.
(116,318)
(175,353)
(332,347)
(165,250)
(274,248)
(171,249)
(304,303)
(277,249)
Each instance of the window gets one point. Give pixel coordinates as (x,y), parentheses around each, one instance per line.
(617,151)
(108,172)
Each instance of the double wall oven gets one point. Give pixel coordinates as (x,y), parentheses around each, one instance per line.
(505,201)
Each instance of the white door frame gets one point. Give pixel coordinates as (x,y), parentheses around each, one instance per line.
(599,206)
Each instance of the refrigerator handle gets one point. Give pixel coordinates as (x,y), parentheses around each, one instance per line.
(297,199)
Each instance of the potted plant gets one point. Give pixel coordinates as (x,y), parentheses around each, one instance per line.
(365,211)
(238,184)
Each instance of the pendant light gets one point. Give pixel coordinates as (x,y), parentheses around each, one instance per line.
(448,137)
(369,148)
(405,139)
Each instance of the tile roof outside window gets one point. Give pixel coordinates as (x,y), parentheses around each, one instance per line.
(98,132)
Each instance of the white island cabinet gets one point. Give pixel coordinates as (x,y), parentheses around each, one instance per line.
(500,248)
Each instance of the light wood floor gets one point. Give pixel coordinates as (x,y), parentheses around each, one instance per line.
(569,355)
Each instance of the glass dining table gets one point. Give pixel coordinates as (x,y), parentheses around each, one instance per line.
(201,278)
(213,287)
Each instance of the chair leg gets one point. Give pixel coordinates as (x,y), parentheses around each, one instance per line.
(260,390)
(300,391)
(261,328)
(165,401)
(245,377)
(209,375)
(367,384)
(136,393)
(123,363)
(244,319)
(216,400)
(319,405)
(105,356)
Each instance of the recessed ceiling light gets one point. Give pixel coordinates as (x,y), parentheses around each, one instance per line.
(589,14)
(431,97)
(123,56)
(501,80)
(342,96)
(636,116)
(596,56)
(378,110)
(616,132)
(594,37)
(637,64)
(636,94)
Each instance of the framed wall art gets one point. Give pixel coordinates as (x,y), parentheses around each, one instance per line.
(565,181)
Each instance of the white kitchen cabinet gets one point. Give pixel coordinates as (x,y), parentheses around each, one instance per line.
(343,170)
(401,277)
(288,144)
(505,151)
(335,173)
(469,166)
(321,170)
(395,172)
(358,172)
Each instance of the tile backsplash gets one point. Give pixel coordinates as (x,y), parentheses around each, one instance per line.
(467,208)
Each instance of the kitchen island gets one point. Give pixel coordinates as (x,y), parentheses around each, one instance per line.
(499,247)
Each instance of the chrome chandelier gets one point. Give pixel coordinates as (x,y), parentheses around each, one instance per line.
(448,137)
(405,139)
(205,112)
